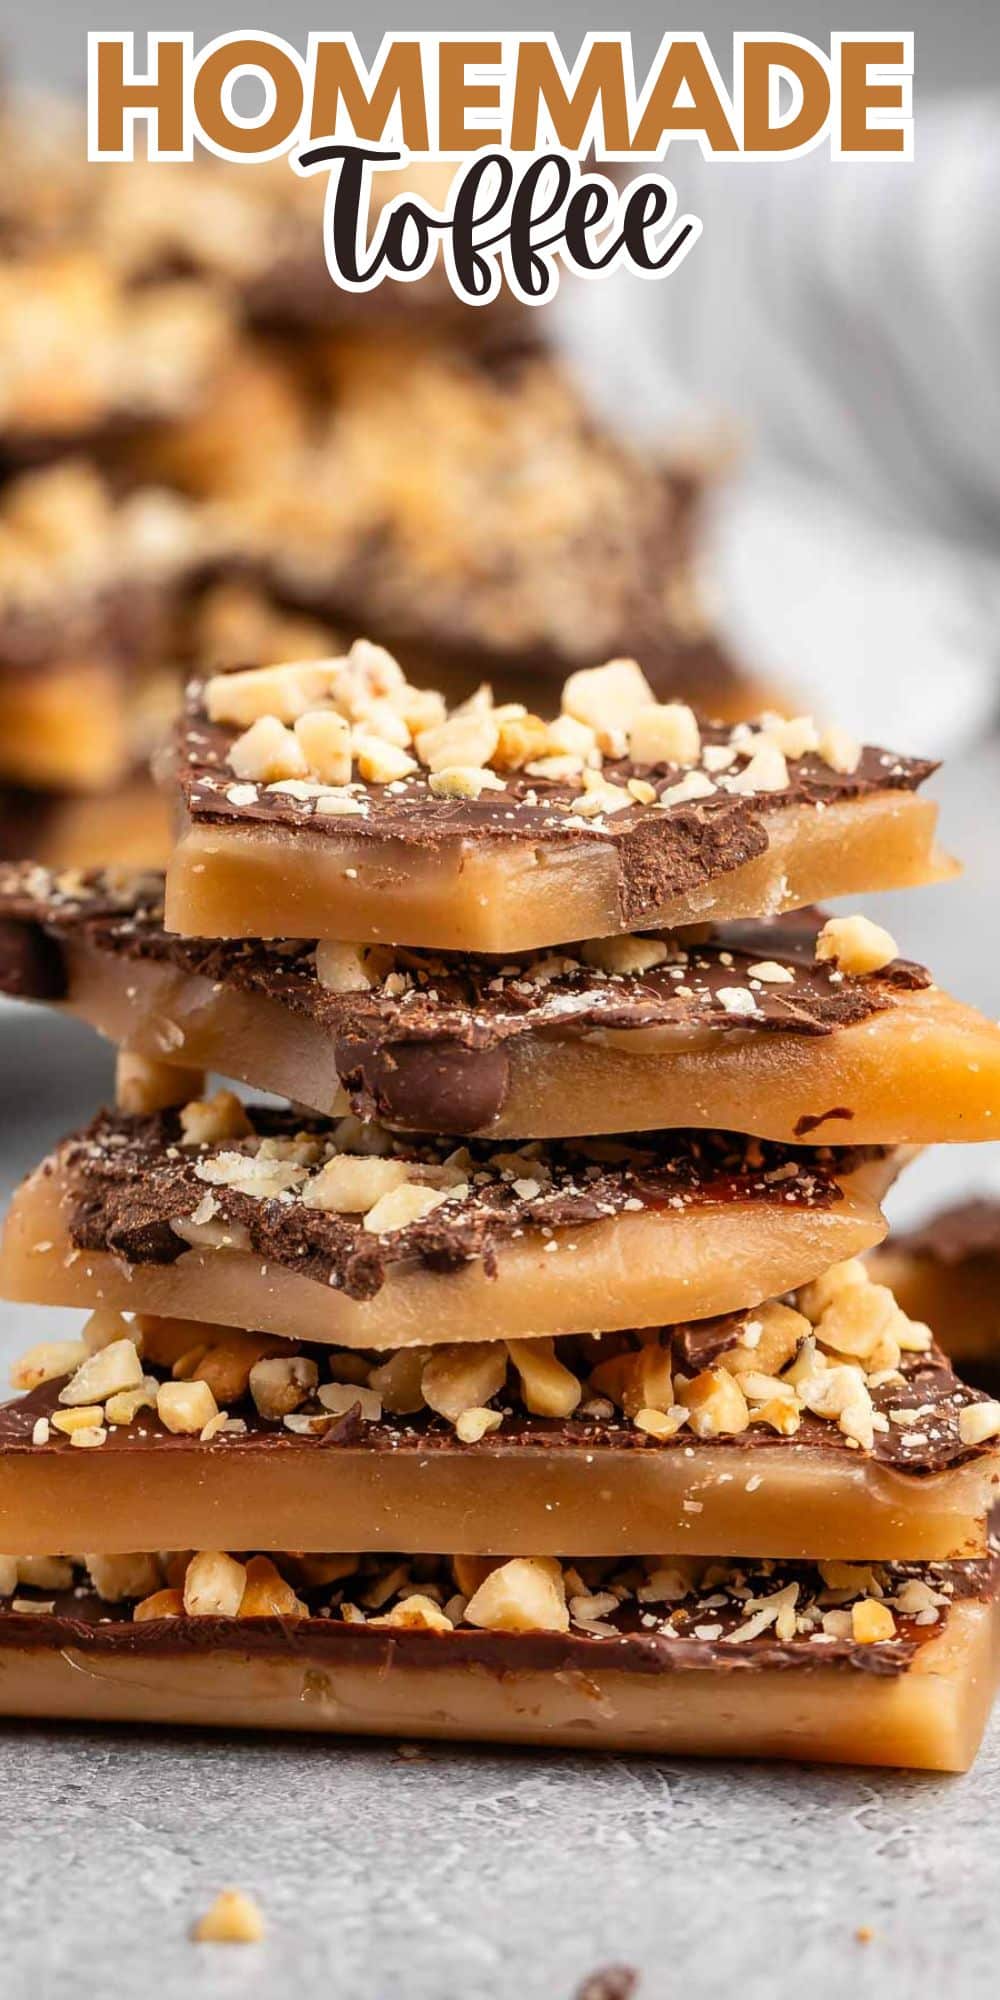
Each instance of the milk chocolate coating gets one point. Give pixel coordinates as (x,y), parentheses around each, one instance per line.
(932,1443)
(85,1622)
(425,1086)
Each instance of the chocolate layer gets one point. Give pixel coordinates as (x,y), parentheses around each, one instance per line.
(920,1408)
(698,1634)
(427,1045)
(133,1179)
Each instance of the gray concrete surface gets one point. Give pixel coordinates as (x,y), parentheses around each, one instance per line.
(478,1876)
(467,1876)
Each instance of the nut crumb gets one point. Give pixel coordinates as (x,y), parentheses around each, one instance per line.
(234,1918)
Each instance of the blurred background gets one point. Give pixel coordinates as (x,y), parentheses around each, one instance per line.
(774,478)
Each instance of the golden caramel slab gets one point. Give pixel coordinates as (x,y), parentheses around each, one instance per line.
(333,800)
(830,1426)
(146,1215)
(729,1660)
(742,1028)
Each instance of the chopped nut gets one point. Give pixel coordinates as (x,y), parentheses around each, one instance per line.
(781,1414)
(267,752)
(858,1320)
(284,692)
(851,1579)
(463,781)
(795,735)
(767,770)
(715,1404)
(44,1572)
(608,698)
(88,1437)
(841,1394)
(665,733)
(267,1595)
(526,1595)
(207,1121)
(522,738)
(324,739)
(640,1380)
(977,1422)
(382,763)
(403,1205)
(548,1388)
(462,1376)
(280,1384)
(343,1396)
(214,1585)
(234,1918)
(162,1604)
(841,751)
(124,1407)
(226,1363)
(470,1571)
(599,795)
(770,973)
(856,944)
(340,968)
(398,1381)
(416,1613)
(694,785)
(464,741)
(143,1085)
(815,1297)
(660,1423)
(46,1362)
(103,1326)
(871,1621)
(84,1418)
(474,1424)
(772,1335)
(104,1374)
(837,1624)
(185,1407)
(570,738)
(350,1184)
(624,955)
(915,1596)
(116,1578)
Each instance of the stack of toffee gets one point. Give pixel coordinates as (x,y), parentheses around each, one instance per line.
(531,1351)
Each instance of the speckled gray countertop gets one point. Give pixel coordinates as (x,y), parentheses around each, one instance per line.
(464,1875)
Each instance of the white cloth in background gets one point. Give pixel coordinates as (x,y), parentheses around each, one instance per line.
(843,320)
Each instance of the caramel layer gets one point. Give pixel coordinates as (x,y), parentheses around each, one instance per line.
(514,895)
(503,1497)
(930,1717)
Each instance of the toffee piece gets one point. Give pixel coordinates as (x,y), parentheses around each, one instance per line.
(739,1028)
(887,1664)
(752,1434)
(344,1233)
(949,1270)
(334,800)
